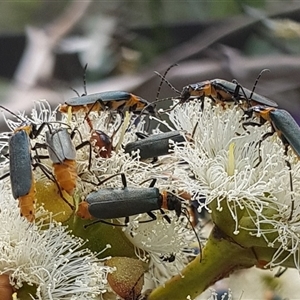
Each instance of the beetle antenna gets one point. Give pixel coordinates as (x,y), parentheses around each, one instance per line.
(163,79)
(187,215)
(84,83)
(14,114)
(84,80)
(257,79)
(171,108)
(75,91)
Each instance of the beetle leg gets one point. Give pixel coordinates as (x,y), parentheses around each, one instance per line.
(44,146)
(112,176)
(245,124)
(265,136)
(104,222)
(83,144)
(51,177)
(153,181)
(4,176)
(152,216)
(280,272)
(286,146)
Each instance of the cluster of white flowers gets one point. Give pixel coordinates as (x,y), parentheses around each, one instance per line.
(221,165)
(144,236)
(46,256)
(235,168)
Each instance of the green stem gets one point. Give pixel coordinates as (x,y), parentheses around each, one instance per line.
(221,256)
(97,236)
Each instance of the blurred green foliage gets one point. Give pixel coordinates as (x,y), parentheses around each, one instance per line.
(15,15)
(148,28)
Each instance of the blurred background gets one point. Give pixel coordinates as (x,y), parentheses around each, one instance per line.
(44,46)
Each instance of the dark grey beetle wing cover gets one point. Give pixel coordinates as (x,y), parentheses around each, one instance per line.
(61,146)
(288,127)
(118,203)
(155,145)
(231,87)
(20,164)
(104,96)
